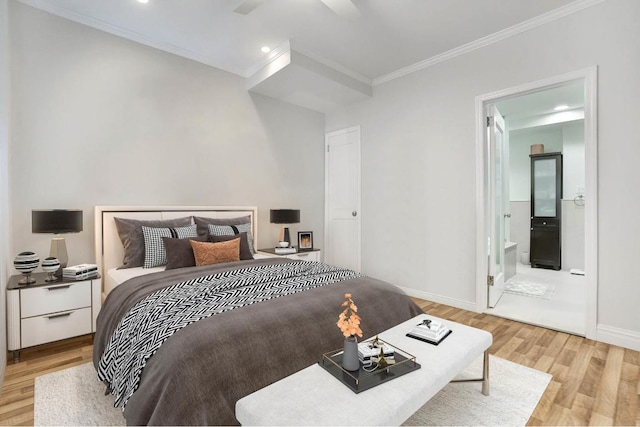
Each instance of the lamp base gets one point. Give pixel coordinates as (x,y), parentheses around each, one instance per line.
(27,279)
(59,250)
(284,236)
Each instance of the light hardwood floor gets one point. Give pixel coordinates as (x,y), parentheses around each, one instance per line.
(593,383)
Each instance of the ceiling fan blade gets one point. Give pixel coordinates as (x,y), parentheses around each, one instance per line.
(344,8)
(247,6)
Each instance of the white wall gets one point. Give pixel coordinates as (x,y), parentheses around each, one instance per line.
(4,178)
(99,120)
(520,142)
(418,157)
(566,138)
(573,159)
(572,237)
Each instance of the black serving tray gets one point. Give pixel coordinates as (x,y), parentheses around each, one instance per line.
(361,380)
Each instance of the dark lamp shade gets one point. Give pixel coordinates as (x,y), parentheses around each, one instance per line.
(285,216)
(56,221)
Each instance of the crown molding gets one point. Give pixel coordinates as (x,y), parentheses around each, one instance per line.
(128,34)
(331,64)
(538,21)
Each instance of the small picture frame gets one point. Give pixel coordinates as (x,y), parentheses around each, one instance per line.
(305,241)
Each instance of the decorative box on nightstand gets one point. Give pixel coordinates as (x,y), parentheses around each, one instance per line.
(50,311)
(312,255)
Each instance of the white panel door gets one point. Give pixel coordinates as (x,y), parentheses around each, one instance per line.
(496,137)
(342,198)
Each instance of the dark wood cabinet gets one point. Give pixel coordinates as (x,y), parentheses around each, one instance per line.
(546,215)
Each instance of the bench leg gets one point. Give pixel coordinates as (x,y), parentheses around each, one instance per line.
(485,375)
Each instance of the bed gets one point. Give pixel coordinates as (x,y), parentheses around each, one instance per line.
(182,346)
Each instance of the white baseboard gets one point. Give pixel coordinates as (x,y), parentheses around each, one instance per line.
(617,336)
(465,305)
(606,334)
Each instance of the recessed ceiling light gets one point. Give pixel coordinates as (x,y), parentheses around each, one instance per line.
(143,1)
(561,108)
(265,49)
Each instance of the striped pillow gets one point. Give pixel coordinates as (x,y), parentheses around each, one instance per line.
(231,230)
(155,253)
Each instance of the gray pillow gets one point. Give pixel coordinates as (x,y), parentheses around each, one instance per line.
(232,229)
(203,223)
(130,232)
(180,252)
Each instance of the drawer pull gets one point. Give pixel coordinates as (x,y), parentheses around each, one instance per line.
(303,254)
(59,287)
(59,315)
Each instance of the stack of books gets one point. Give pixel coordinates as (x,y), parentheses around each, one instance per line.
(431,331)
(285,251)
(80,272)
(368,352)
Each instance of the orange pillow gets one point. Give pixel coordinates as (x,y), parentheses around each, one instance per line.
(215,253)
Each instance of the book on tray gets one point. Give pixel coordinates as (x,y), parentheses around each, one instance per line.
(369,351)
(429,330)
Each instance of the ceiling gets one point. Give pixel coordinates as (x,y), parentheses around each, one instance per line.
(543,102)
(387,37)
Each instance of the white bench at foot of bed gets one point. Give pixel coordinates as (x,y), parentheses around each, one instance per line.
(313,397)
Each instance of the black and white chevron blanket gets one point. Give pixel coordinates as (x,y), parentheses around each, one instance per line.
(159,315)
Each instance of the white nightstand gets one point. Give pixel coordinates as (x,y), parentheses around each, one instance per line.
(312,255)
(50,311)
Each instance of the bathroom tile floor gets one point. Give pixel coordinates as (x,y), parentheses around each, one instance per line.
(565,311)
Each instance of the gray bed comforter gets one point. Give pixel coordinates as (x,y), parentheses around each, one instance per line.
(198,374)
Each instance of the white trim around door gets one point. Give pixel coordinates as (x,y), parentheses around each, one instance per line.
(590,77)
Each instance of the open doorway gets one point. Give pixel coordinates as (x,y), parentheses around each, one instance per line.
(555,121)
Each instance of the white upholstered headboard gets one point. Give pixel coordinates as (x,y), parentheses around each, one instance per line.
(109,251)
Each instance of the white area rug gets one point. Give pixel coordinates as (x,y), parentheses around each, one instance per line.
(529,289)
(74,396)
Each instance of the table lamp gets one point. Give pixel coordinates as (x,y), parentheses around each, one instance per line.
(57,221)
(284,216)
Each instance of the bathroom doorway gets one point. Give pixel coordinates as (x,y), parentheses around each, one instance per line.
(554,116)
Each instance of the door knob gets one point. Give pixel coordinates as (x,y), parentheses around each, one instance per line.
(507,215)
(354,213)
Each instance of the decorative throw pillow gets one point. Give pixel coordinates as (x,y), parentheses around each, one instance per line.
(245,252)
(154,252)
(232,230)
(180,252)
(203,222)
(216,253)
(130,232)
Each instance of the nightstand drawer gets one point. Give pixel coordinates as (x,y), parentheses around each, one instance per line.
(54,298)
(305,256)
(55,326)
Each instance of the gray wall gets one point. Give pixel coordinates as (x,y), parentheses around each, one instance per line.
(418,156)
(4,178)
(97,119)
